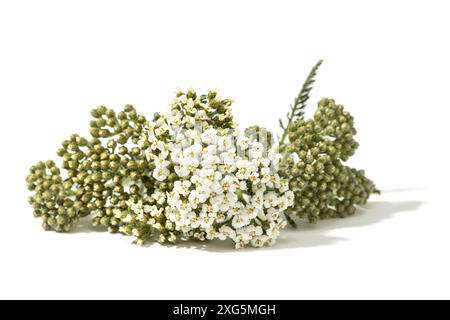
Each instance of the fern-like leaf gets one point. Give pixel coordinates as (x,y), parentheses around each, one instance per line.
(303,97)
(299,105)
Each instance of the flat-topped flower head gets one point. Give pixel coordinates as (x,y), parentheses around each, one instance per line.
(222,179)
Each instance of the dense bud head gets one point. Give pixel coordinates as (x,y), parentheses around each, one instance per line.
(324,187)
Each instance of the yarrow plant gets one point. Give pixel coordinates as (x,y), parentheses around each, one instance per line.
(191,173)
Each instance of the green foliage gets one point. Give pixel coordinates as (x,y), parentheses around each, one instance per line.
(299,105)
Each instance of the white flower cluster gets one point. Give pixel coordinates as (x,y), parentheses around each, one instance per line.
(224,184)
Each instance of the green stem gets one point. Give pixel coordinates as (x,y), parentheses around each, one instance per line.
(290,220)
(240,195)
(285,133)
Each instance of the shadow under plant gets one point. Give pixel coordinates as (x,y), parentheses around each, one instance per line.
(305,235)
(312,235)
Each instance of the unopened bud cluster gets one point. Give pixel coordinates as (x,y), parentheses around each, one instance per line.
(323,186)
(100,174)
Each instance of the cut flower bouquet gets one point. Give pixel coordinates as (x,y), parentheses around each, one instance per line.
(192,173)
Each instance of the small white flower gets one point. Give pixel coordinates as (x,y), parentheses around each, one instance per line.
(220,217)
(160,173)
(211,234)
(242,235)
(254,231)
(196,197)
(209,136)
(259,241)
(272,214)
(258,200)
(217,199)
(283,204)
(257,146)
(239,221)
(182,187)
(228,184)
(228,165)
(184,207)
(241,185)
(271,231)
(205,220)
(210,209)
(265,162)
(290,197)
(266,179)
(243,142)
(210,175)
(195,222)
(239,244)
(215,188)
(250,212)
(191,163)
(155,212)
(159,196)
(193,152)
(254,178)
(225,201)
(182,171)
(226,232)
(270,199)
(243,169)
(176,155)
(265,171)
(210,159)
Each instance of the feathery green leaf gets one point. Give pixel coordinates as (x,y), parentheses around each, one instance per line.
(298,107)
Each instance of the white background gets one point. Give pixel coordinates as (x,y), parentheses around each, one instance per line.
(387,61)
